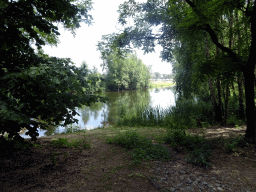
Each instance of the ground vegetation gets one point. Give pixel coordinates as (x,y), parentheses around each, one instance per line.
(122,158)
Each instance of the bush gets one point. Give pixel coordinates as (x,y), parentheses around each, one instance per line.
(198,148)
(199,156)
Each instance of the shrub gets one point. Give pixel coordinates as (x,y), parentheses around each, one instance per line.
(198,148)
(142,147)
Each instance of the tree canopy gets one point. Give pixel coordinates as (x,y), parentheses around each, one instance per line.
(210,42)
(37,90)
(126,72)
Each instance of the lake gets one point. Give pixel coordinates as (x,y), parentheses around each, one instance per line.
(104,114)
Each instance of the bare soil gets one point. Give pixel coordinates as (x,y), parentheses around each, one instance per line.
(104,167)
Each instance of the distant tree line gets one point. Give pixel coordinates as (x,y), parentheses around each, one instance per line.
(94,81)
(126,72)
(157,75)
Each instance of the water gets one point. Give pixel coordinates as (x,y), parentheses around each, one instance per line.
(103,114)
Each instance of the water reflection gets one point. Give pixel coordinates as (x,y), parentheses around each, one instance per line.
(102,114)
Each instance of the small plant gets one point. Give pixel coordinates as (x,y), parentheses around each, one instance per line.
(39,146)
(136,174)
(66,156)
(231,147)
(175,136)
(198,147)
(53,158)
(238,127)
(61,142)
(234,142)
(199,156)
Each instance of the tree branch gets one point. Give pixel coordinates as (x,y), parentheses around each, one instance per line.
(213,35)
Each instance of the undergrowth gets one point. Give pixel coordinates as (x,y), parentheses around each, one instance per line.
(198,148)
(142,147)
(63,142)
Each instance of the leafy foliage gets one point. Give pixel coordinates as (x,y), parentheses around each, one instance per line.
(126,73)
(37,90)
(93,80)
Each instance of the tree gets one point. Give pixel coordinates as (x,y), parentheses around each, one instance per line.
(209,21)
(37,90)
(157,75)
(127,72)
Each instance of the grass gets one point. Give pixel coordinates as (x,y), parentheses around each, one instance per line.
(142,115)
(63,142)
(184,113)
(142,147)
(161,84)
(114,148)
(200,149)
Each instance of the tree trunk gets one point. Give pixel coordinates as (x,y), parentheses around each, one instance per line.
(214,104)
(249,80)
(219,107)
(241,98)
(249,95)
(226,105)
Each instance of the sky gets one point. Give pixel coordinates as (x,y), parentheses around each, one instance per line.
(83,47)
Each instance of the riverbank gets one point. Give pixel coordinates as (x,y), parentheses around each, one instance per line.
(83,161)
(161,84)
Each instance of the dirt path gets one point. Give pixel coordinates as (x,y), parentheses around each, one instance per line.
(103,167)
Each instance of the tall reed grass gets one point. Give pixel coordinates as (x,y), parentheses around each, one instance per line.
(141,115)
(182,115)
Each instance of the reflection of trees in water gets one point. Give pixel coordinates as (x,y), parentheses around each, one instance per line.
(157,90)
(105,116)
(85,116)
(93,110)
(127,100)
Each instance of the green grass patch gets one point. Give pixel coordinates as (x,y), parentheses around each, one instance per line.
(63,142)
(198,148)
(161,84)
(142,147)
